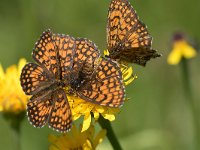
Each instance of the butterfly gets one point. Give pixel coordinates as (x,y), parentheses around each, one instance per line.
(127,37)
(63,61)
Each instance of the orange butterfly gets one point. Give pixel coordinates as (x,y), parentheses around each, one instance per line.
(127,37)
(63,61)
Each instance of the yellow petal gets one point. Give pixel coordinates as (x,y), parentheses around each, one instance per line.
(96,115)
(76,116)
(174,57)
(110,117)
(87,145)
(88,108)
(77,139)
(86,122)
(128,73)
(1,108)
(100,109)
(189,52)
(2,75)
(21,64)
(106,52)
(130,80)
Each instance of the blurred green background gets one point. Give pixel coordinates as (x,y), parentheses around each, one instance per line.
(157,116)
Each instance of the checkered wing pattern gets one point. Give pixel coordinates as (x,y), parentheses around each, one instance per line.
(105,86)
(127,37)
(66,46)
(38,110)
(45,52)
(60,117)
(33,78)
(86,51)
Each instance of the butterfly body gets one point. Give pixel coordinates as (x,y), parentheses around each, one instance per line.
(75,84)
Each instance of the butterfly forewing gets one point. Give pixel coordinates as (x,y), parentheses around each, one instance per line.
(86,52)
(60,117)
(127,37)
(66,46)
(85,49)
(105,86)
(138,37)
(45,52)
(121,19)
(33,78)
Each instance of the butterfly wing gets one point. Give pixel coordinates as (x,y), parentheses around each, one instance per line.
(66,46)
(60,117)
(85,55)
(38,110)
(45,53)
(33,79)
(105,86)
(127,37)
(121,19)
(137,46)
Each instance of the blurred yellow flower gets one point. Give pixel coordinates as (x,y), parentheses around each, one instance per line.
(87,109)
(12,98)
(181,49)
(76,139)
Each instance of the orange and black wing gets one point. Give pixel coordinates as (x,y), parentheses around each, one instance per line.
(122,18)
(66,47)
(60,117)
(86,52)
(127,37)
(106,86)
(45,53)
(33,79)
(38,110)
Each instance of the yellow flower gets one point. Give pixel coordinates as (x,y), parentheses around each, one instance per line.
(181,49)
(76,140)
(127,74)
(80,107)
(87,109)
(12,98)
(127,71)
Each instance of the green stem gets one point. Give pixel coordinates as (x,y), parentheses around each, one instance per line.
(15,121)
(16,137)
(105,124)
(191,103)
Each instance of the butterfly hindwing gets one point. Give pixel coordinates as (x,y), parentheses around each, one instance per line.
(60,117)
(38,110)
(105,86)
